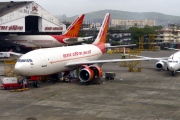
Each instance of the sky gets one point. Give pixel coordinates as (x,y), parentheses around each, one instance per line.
(77,7)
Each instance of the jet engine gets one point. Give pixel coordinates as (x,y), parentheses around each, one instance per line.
(88,73)
(160,65)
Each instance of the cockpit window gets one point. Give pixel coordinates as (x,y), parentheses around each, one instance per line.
(24,60)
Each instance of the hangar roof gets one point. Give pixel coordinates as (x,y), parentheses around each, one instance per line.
(7,7)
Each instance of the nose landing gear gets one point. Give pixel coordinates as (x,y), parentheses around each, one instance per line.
(173,73)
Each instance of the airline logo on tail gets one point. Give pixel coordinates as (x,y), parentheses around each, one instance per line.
(74,28)
(101,38)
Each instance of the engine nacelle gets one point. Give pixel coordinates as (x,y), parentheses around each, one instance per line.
(88,73)
(160,65)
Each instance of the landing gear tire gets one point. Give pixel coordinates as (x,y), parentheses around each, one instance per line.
(35,84)
(173,73)
(167,69)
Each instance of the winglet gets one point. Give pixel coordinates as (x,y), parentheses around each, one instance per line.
(74,28)
(101,38)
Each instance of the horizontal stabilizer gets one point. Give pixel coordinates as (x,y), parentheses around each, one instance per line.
(14,53)
(81,39)
(76,39)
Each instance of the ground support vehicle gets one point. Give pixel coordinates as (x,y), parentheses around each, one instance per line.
(11,83)
(110,75)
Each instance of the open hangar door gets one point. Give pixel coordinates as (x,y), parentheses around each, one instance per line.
(31,24)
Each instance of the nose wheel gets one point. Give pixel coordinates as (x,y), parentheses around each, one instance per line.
(173,73)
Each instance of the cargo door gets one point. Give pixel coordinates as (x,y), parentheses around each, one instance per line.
(43,60)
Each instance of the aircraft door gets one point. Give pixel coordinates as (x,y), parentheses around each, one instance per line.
(43,60)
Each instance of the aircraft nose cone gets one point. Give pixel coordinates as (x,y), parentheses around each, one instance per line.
(172,67)
(18,68)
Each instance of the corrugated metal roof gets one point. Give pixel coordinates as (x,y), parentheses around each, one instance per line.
(7,7)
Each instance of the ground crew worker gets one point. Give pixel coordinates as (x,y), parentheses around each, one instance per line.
(24,83)
(123,56)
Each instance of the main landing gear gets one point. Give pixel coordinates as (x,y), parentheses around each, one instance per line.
(35,84)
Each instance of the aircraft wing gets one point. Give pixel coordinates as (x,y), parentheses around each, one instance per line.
(76,39)
(163,59)
(110,61)
(117,46)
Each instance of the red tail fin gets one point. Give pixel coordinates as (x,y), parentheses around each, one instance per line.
(101,38)
(74,28)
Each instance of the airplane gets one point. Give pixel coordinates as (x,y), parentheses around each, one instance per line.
(172,62)
(70,36)
(4,54)
(83,58)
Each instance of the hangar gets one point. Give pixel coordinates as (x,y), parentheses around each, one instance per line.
(27,18)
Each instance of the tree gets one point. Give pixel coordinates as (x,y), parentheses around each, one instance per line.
(139,32)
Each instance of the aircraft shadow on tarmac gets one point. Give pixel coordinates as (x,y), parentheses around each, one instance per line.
(163,72)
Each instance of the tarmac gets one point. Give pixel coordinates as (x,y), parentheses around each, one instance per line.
(146,95)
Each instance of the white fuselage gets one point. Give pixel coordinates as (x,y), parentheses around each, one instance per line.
(173,62)
(44,41)
(54,60)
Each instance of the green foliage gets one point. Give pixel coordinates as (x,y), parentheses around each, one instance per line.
(139,32)
(158,27)
(115,43)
